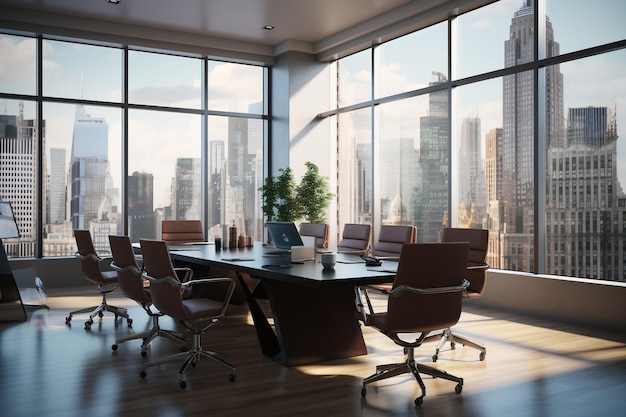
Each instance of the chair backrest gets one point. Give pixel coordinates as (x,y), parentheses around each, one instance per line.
(478,240)
(391,238)
(182,231)
(165,292)
(89,259)
(317,230)
(128,271)
(424,266)
(355,237)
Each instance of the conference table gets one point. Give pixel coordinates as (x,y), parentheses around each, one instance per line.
(313,308)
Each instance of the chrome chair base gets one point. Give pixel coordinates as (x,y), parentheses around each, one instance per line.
(191,358)
(447,335)
(99,310)
(149,335)
(409,366)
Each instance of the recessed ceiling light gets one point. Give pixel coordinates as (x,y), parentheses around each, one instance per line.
(114,1)
(268,27)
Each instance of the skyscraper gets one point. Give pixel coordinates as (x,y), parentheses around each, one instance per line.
(517,234)
(93,199)
(140,206)
(18,152)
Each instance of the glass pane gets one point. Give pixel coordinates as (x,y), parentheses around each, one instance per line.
(83,157)
(18,173)
(407,63)
(477,198)
(426,196)
(483,32)
(399,174)
(235,88)
(235,170)
(78,71)
(164,171)
(355,78)
(586,172)
(164,80)
(354,165)
(582,24)
(18,66)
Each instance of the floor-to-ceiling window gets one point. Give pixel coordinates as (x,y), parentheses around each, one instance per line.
(115,140)
(520,139)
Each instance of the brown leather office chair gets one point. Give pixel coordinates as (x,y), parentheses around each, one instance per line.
(391,238)
(355,238)
(106,281)
(135,287)
(197,314)
(426,296)
(478,240)
(181,231)
(319,231)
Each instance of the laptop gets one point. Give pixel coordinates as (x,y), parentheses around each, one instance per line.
(284,235)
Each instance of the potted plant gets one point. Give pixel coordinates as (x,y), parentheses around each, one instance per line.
(313,195)
(286,201)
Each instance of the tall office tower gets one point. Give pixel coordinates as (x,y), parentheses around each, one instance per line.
(140,213)
(518,135)
(362,169)
(216,161)
(430,201)
(18,153)
(93,199)
(584,218)
(56,196)
(240,201)
(186,190)
(495,202)
(471,176)
(398,177)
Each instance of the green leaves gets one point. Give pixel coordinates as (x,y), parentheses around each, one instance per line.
(284,200)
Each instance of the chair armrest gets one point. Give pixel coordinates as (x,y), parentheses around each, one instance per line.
(398,291)
(184,274)
(131,268)
(479,267)
(206,281)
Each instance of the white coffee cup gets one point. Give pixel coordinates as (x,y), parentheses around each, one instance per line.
(328,260)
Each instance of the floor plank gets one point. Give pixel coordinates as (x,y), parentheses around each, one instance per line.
(533,368)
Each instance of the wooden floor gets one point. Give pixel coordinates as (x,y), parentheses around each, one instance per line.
(533,368)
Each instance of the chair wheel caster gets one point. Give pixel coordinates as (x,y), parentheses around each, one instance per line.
(481,356)
(452,345)
(458,388)
(101,314)
(142,374)
(419,400)
(183,384)
(232,377)
(68,319)
(114,347)
(88,324)
(435,357)
(129,322)
(144,353)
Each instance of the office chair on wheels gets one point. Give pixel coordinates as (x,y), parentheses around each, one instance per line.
(426,296)
(106,281)
(133,285)
(197,314)
(478,240)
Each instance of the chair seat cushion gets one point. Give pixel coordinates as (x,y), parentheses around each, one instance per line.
(197,308)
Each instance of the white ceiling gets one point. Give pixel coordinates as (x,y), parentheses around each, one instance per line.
(321,24)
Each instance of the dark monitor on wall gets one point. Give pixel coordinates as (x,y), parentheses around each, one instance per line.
(8,225)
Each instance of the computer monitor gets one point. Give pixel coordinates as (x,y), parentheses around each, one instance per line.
(284,235)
